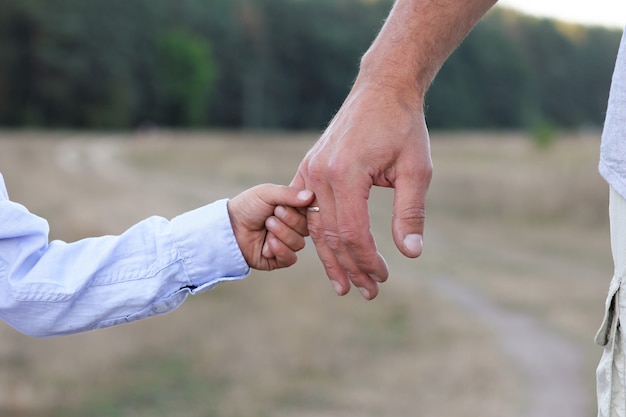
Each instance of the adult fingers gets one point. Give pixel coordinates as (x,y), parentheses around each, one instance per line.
(319,228)
(356,247)
(344,220)
(409,210)
(322,229)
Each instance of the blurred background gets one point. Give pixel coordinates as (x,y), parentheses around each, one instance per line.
(277,64)
(112,111)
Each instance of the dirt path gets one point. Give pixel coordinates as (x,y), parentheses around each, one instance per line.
(550,364)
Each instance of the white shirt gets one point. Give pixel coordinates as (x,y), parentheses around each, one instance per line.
(613,149)
(55,288)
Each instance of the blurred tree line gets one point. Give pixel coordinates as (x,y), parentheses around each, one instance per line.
(276,64)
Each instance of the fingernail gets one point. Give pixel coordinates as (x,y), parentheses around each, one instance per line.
(365,293)
(413,244)
(280,211)
(338,287)
(305,195)
(271,223)
(266,250)
(375,278)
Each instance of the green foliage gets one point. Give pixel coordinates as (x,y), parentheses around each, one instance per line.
(543,135)
(515,71)
(487,82)
(276,64)
(71,63)
(187,76)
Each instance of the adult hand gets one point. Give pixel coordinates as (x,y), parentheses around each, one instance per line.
(378,137)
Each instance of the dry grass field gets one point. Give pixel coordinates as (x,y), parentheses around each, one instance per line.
(496,319)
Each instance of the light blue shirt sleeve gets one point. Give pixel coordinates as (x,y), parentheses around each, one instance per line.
(56,288)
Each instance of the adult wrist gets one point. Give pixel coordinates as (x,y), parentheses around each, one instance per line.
(392,75)
(390,85)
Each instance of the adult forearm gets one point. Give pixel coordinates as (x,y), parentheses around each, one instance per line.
(417,38)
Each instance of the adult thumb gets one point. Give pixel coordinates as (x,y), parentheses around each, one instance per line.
(409,214)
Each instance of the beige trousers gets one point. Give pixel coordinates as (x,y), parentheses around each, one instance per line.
(611,372)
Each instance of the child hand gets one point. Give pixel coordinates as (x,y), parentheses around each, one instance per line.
(274,208)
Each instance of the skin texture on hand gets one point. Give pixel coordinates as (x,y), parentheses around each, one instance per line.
(387,147)
(379,138)
(264,208)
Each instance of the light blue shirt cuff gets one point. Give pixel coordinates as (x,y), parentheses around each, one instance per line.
(208,248)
